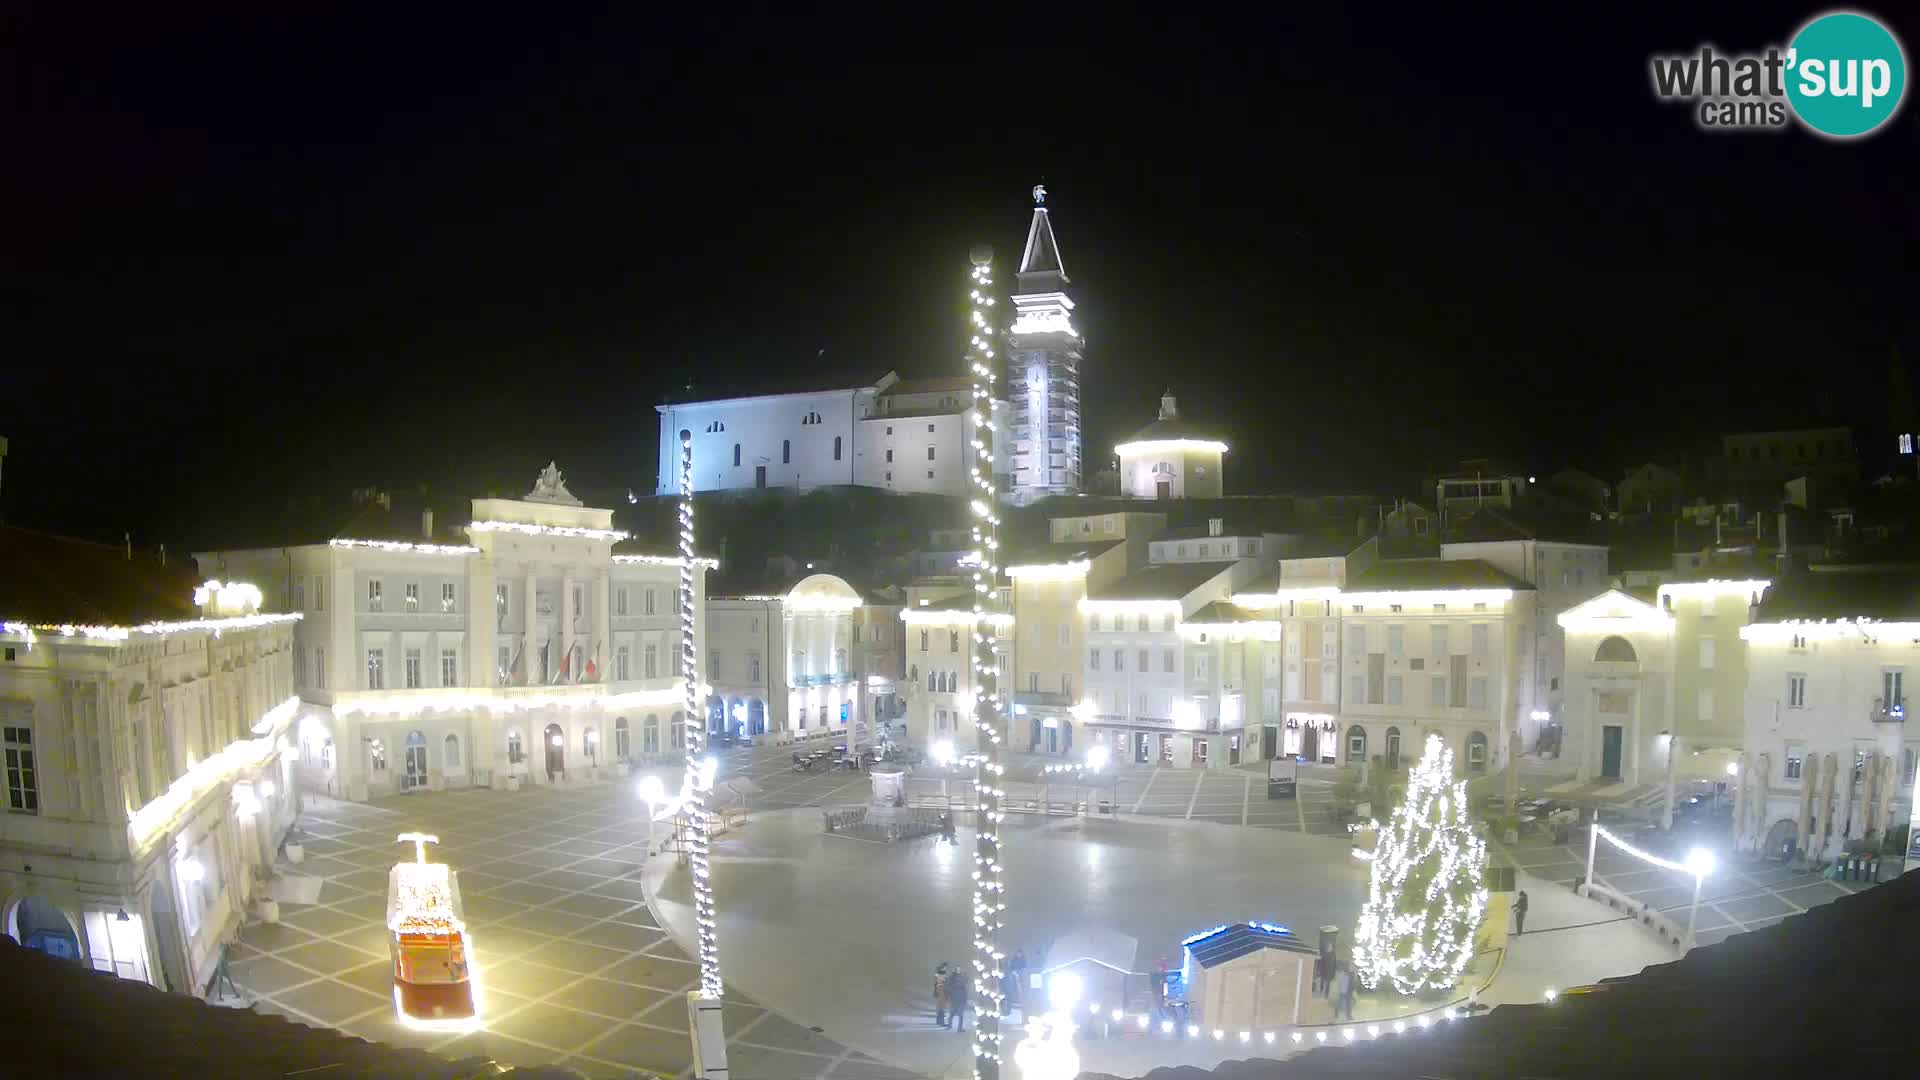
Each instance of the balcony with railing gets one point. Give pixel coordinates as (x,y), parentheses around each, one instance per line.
(1889,711)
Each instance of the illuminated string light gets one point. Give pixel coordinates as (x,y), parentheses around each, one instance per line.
(700,838)
(405,547)
(668,560)
(1426,895)
(989,889)
(576,531)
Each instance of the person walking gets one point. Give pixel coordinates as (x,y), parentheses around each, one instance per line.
(1343,992)
(1520,913)
(940,994)
(957,999)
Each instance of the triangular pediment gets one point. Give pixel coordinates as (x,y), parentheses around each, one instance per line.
(1615,609)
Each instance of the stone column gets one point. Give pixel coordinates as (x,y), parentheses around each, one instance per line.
(600,634)
(529,670)
(482,622)
(568,639)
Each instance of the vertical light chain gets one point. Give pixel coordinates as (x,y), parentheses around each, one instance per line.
(696,735)
(989,896)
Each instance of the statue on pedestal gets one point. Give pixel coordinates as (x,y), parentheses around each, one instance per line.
(552,488)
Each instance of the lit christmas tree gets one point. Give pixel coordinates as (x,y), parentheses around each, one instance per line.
(1427,895)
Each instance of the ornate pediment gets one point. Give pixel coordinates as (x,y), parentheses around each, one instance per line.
(552,488)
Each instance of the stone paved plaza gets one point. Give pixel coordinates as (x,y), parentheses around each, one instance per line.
(576,970)
(573,969)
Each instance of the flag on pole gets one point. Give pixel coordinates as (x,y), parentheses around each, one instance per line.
(593,665)
(566,661)
(513,665)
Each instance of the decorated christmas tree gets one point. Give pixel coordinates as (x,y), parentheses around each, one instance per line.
(1427,895)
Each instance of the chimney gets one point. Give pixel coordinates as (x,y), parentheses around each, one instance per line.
(1215,526)
(426,523)
(1167,409)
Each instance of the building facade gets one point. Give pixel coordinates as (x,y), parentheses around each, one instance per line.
(1043,370)
(1171,458)
(529,646)
(148,742)
(1829,759)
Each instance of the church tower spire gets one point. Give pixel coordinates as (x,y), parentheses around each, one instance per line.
(1043,368)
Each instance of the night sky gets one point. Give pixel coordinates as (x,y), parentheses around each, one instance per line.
(252,257)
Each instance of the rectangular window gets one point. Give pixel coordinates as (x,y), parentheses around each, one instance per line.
(1146,661)
(953,641)
(1166,661)
(320,666)
(1140,622)
(1477,694)
(1439,644)
(1119,660)
(1093,622)
(923,640)
(413,596)
(579,602)
(1329,641)
(1356,641)
(1293,646)
(1065,633)
(319,592)
(1706,654)
(23,775)
(713,667)
(1480,641)
(376,669)
(1909,757)
(929,453)
(374,594)
(623,663)
(856,633)
(1376,677)
(503,664)
(650,661)
(649,598)
(1892,687)
(1033,682)
(412,661)
(1396,640)
(1439,692)
(446,596)
(1202,666)
(1066,685)
(1705,705)
(1357,747)
(1794,760)
(620,600)
(500,593)
(299,594)
(449,668)
(1796,690)
(1396,693)
(1356,689)
(1093,659)
(1166,623)
(753,668)
(1457,682)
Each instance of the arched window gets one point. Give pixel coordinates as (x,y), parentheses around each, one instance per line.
(1393,748)
(1477,752)
(736,455)
(1615,650)
(649,735)
(933,681)
(377,755)
(453,751)
(1356,743)
(621,747)
(679,731)
(836,448)
(516,749)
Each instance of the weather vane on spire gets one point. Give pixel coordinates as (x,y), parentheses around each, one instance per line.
(1039,194)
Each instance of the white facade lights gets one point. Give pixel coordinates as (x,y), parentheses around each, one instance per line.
(574,531)
(405,547)
(1163,446)
(1066,571)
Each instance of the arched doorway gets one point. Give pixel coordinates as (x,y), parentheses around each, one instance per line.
(717,715)
(516,751)
(1356,743)
(1310,742)
(555,742)
(1477,752)
(1393,749)
(622,747)
(415,773)
(756,717)
(1780,840)
(37,924)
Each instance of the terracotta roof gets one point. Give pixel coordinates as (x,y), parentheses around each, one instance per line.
(1885,593)
(1161,581)
(47,579)
(1769,1002)
(1432,574)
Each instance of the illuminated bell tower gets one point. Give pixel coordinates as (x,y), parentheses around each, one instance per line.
(1043,369)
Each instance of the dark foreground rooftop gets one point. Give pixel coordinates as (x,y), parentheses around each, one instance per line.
(66,1020)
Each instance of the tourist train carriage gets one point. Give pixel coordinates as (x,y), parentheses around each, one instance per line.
(432,972)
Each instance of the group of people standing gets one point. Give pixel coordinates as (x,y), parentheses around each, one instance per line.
(1333,978)
(952,990)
